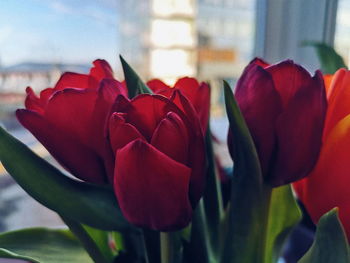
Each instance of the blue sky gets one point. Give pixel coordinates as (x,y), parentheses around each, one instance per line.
(71,31)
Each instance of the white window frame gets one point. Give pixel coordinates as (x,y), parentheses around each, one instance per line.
(283,25)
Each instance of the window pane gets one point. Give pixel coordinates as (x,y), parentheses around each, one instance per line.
(342,33)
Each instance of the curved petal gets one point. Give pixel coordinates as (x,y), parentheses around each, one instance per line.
(72,110)
(121,133)
(189,87)
(299,133)
(197,158)
(146,111)
(98,124)
(288,79)
(80,160)
(338,100)
(154,194)
(328,184)
(327,83)
(260,105)
(70,80)
(32,102)
(101,70)
(260,62)
(159,87)
(202,105)
(198,95)
(171,138)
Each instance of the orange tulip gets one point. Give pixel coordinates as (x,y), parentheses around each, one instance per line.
(328,184)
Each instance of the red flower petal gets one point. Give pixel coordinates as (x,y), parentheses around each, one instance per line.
(72,110)
(189,87)
(260,104)
(260,62)
(299,133)
(202,105)
(73,155)
(196,159)
(159,87)
(70,80)
(171,138)
(288,79)
(101,70)
(98,124)
(32,102)
(198,95)
(146,111)
(45,95)
(121,133)
(151,188)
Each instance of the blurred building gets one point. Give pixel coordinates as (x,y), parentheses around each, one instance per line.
(158,37)
(14,79)
(209,39)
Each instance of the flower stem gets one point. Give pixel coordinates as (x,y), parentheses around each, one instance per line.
(167,250)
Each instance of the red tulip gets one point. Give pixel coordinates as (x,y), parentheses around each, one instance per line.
(328,184)
(284,108)
(69,120)
(197,93)
(160,160)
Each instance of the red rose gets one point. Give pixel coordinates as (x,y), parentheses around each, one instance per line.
(284,108)
(197,93)
(69,120)
(160,160)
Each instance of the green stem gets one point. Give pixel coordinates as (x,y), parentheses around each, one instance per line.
(166,247)
(89,245)
(171,247)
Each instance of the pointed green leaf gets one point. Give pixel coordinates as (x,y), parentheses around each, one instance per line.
(212,195)
(250,197)
(284,215)
(330,60)
(199,246)
(133,82)
(86,203)
(330,243)
(40,245)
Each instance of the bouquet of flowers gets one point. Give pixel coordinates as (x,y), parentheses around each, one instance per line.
(142,183)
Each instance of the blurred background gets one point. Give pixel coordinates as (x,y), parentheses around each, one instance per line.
(208,39)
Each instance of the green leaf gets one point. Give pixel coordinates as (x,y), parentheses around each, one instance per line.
(260,218)
(250,197)
(40,245)
(133,82)
(89,204)
(212,195)
(284,215)
(330,243)
(94,241)
(330,60)
(101,239)
(200,245)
